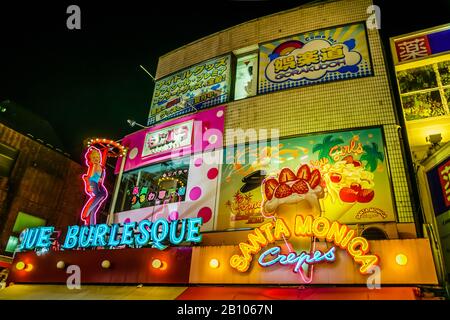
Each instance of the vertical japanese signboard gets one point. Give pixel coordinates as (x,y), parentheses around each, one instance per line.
(314,57)
(439,184)
(198,87)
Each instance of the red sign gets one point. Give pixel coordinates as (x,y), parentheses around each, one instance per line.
(444,178)
(412,48)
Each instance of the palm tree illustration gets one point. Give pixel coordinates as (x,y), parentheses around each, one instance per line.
(372,156)
(324,147)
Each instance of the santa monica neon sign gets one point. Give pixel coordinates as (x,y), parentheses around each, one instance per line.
(320,227)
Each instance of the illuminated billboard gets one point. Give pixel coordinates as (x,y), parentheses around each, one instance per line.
(420,45)
(342,176)
(195,88)
(314,57)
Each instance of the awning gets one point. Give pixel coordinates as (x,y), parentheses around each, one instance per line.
(89,292)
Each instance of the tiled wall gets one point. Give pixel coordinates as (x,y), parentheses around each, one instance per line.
(317,108)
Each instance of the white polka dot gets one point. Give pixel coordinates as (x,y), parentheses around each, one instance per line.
(133,153)
(212,139)
(219,114)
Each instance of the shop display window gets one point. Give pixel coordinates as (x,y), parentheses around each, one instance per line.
(425,90)
(159,183)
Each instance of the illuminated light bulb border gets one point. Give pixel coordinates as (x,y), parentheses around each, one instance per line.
(401,259)
(157,264)
(29,267)
(108,143)
(214,263)
(20,265)
(106,264)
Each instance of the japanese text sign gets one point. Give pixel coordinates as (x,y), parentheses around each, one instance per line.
(195,88)
(314,57)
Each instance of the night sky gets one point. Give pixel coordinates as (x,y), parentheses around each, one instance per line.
(87,82)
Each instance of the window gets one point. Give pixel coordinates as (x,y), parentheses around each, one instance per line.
(156,184)
(246,76)
(425,91)
(8,157)
(23,221)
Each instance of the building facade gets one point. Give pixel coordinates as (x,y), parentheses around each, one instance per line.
(39,186)
(422,68)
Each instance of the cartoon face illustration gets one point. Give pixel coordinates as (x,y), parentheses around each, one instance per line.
(153,141)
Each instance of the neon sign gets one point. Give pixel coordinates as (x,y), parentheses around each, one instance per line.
(292,258)
(97,153)
(319,227)
(93,184)
(159,234)
(168,139)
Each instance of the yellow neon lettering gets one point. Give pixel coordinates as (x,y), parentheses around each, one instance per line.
(257,239)
(303,228)
(281,229)
(337,233)
(267,227)
(366,262)
(247,250)
(347,238)
(355,242)
(326,226)
(240,263)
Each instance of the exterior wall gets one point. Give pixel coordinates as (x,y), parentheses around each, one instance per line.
(419,269)
(318,108)
(191,265)
(127,266)
(43,183)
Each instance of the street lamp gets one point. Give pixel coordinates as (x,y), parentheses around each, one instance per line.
(133,123)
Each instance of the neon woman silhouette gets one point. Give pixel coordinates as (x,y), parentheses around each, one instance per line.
(93,185)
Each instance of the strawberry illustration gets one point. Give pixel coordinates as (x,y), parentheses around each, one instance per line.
(315,179)
(355,186)
(304,172)
(269,187)
(286,175)
(335,177)
(365,195)
(357,163)
(300,187)
(348,194)
(283,191)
